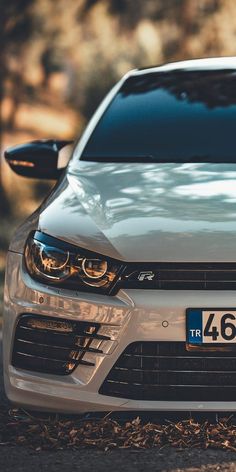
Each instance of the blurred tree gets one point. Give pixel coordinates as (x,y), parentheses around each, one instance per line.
(190,16)
(130,13)
(15,29)
(187,15)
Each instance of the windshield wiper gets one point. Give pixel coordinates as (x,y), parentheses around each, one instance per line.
(154,159)
(120,159)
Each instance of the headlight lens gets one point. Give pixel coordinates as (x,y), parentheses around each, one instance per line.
(53,261)
(48,261)
(94,268)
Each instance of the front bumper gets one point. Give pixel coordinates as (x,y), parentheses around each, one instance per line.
(132,315)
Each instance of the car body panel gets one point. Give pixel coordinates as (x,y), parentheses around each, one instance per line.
(134,212)
(148,212)
(136,317)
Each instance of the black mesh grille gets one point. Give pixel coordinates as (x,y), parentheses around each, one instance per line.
(53,345)
(167,371)
(180,276)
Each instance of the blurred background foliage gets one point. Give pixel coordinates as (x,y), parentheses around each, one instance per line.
(59,58)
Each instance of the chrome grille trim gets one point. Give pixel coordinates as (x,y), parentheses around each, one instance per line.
(52,346)
(88,335)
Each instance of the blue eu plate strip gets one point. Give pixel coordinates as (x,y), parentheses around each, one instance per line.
(194,327)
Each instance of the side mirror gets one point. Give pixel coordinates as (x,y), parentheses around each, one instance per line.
(42,159)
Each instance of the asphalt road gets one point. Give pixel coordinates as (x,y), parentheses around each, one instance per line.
(19,458)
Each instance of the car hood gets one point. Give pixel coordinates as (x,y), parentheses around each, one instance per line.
(146,212)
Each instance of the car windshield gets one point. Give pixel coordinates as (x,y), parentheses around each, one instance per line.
(179,116)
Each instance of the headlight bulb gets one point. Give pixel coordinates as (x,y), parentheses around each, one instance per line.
(53,258)
(49,262)
(94,268)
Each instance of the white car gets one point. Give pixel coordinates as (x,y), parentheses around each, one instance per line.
(120,289)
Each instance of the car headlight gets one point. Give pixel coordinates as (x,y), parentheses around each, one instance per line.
(61,264)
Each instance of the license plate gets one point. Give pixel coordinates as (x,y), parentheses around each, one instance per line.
(206,326)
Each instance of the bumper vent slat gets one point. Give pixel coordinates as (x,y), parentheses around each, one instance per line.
(42,350)
(39,364)
(51,345)
(180,276)
(159,371)
(47,337)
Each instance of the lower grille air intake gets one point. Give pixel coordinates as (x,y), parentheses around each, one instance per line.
(55,346)
(162,371)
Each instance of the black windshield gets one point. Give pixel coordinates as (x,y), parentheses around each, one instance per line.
(182,116)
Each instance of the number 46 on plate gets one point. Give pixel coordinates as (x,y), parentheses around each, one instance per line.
(206,326)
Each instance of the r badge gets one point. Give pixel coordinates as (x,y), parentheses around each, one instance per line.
(147,275)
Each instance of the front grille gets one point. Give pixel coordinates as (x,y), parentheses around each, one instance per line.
(162,371)
(180,276)
(55,346)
